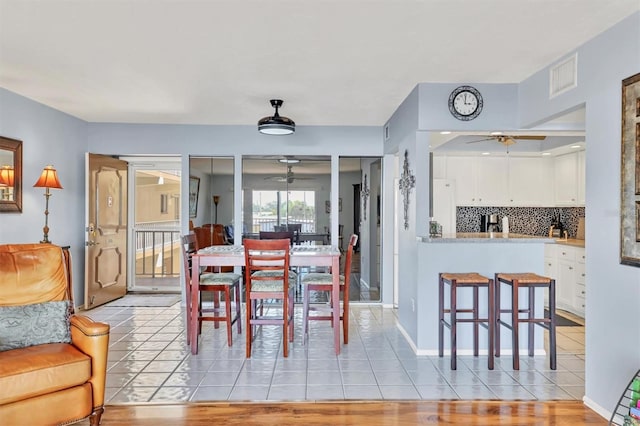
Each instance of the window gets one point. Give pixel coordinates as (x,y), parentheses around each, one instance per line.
(277,208)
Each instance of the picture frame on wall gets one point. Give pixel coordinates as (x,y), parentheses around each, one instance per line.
(630,173)
(194,189)
(327,206)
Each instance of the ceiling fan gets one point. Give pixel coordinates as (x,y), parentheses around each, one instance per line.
(289,177)
(509,140)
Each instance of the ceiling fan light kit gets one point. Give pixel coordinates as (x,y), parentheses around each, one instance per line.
(276,125)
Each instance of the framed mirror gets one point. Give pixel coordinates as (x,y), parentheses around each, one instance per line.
(10,175)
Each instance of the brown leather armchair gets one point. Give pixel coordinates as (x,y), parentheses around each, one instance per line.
(53,383)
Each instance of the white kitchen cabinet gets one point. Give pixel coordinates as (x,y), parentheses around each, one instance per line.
(439,167)
(566,179)
(491,181)
(463,171)
(530,182)
(581,177)
(579,301)
(565,284)
(567,265)
(515,181)
(550,267)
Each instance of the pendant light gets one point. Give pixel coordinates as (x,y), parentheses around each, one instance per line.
(276,125)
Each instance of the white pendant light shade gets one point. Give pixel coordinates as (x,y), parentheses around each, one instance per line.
(276,125)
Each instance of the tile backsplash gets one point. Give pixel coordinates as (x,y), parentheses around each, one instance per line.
(522,220)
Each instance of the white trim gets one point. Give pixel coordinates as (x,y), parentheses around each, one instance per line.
(606,414)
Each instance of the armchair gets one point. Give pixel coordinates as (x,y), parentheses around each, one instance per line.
(46,377)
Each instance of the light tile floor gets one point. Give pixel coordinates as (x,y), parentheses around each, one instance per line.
(149,361)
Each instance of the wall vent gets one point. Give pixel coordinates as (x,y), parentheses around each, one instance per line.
(386,132)
(563,76)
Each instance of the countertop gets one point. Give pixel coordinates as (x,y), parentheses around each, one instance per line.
(571,242)
(487,237)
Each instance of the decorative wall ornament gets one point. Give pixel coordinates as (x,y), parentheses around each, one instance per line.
(630,173)
(407,183)
(365,196)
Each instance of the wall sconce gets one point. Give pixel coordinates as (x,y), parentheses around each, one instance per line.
(48,179)
(216,200)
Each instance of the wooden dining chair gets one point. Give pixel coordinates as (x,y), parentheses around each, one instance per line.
(317,281)
(217,283)
(277,235)
(267,277)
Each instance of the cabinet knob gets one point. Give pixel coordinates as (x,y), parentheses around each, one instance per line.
(582,292)
(570,268)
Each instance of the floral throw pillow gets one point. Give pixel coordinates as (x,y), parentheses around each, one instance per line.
(36,324)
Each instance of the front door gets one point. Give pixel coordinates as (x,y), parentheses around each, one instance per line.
(106,227)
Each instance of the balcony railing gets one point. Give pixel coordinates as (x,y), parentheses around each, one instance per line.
(268,223)
(157,249)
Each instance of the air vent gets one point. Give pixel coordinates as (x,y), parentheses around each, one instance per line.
(564,76)
(386,132)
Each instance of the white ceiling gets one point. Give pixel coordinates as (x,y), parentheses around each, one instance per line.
(334,62)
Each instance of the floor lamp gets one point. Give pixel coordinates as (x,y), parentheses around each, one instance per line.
(48,179)
(216,200)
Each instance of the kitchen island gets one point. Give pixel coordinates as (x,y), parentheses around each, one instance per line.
(485,253)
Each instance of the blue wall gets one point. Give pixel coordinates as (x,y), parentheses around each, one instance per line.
(48,137)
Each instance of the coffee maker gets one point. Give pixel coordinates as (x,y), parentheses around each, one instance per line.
(489,223)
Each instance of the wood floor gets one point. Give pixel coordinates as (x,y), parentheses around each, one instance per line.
(477,413)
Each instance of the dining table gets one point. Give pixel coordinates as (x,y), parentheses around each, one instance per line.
(299,255)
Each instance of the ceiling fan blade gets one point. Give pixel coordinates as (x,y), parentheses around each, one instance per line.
(533,138)
(481,140)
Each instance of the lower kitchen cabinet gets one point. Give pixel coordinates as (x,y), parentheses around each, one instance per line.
(567,265)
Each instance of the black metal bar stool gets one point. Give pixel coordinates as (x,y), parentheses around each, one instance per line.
(475,281)
(530,281)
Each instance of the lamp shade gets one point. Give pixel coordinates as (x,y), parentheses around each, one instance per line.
(7,176)
(48,179)
(276,125)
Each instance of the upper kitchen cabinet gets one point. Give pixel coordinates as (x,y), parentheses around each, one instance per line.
(581,178)
(501,181)
(530,182)
(569,179)
(492,177)
(478,181)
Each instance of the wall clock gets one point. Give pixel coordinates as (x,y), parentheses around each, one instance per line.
(465,103)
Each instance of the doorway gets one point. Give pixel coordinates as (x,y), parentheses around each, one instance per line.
(154,235)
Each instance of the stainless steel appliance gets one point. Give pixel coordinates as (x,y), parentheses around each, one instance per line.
(489,223)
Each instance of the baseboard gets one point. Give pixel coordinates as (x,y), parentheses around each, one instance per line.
(606,414)
(447,352)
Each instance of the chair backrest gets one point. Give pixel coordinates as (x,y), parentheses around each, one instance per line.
(34,273)
(273,235)
(353,240)
(203,236)
(267,255)
(219,238)
(189,247)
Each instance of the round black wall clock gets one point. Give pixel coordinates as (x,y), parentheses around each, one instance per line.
(465,103)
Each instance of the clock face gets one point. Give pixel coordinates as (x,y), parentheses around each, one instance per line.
(465,103)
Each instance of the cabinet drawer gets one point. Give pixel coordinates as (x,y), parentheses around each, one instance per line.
(566,253)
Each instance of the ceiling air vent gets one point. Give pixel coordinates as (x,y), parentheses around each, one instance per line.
(564,76)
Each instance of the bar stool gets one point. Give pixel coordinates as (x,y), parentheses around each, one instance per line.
(475,281)
(530,281)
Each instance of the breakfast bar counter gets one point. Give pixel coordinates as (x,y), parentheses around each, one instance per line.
(484,253)
(486,237)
